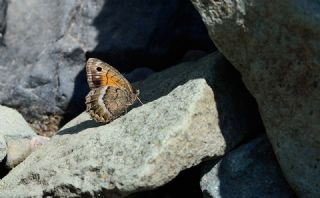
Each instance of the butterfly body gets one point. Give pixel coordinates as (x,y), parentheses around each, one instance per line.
(110,95)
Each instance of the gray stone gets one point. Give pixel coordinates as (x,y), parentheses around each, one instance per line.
(46,44)
(248,171)
(3,13)
(3,147)
(13,125)
(237,110)
(276,48)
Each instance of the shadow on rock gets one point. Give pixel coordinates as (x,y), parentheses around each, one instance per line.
(80,127)
(239,118)
(153,34)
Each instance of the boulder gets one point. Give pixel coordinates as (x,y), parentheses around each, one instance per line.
(3,13)
(46,45)
(276,48)
(238,115)
(141,150)
(250,170)
(182,122)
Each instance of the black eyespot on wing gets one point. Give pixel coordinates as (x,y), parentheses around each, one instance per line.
(99,69)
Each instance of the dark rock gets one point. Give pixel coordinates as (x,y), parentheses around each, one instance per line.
(249,171)
(46,44)
(3,13)
(276,48)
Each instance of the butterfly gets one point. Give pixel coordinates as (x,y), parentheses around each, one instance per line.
(111,93)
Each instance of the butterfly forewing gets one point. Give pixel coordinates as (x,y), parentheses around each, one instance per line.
(102,74)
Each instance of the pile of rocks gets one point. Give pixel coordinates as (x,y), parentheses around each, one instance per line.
(195,114)
(194,111)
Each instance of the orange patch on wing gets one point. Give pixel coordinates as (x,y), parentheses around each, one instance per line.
(109,80)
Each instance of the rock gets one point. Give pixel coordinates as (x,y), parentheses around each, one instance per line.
(248,171)
(3,147)
(20,149)
(13,125)
(3,13)
(276,48)
(13,128)
(236,107)
(181,123)
(129,154)
(42,64)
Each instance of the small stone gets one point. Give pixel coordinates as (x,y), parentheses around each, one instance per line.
(20,149)
(3,148)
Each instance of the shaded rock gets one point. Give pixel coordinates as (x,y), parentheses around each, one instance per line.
(238,115)
(42,63)
(143,149)
(20,149)
(13,125)
(3,147)
(3,13)
(276,48)
(248,171)
(148,146)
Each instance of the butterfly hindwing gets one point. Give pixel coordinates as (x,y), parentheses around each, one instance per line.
(104,104)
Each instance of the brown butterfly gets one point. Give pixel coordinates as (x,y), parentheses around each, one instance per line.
(111,94)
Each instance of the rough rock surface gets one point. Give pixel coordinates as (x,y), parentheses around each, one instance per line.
(149,145)
(249,171)
(19,149)
(3,147)
(236,107)
(276,48)
(13,125)
(46,44)
(3,13)
(129,154)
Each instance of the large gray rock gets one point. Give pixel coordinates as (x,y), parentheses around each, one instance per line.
(237,110)
(13,125)
(146,148)
(3,13)
(141,150)
(46,44)
(249,171)
(276,48)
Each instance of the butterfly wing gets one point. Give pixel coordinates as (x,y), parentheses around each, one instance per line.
(101,74)
(107,103)
(111,94)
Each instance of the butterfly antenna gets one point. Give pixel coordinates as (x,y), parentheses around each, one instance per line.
(140,100)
